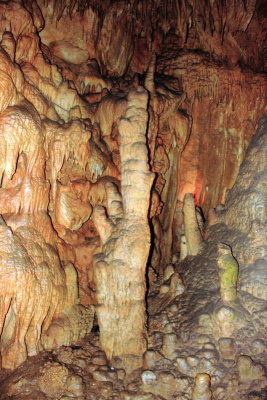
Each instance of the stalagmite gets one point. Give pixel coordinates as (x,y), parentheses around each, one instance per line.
(120,267)
(192,231)
(201,389)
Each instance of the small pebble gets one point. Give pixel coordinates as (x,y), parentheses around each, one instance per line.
(148,377)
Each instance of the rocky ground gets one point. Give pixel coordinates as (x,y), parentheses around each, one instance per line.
(82,372)
(182,345)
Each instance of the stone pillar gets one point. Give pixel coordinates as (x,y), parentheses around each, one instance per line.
(119,269)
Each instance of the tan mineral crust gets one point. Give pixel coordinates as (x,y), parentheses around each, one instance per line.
(133,203)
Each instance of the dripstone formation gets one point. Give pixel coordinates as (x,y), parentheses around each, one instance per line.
(133,148)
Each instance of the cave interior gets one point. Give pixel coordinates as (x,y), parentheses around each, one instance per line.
(133,148)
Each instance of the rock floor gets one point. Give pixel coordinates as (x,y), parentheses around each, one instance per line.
(82,372)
